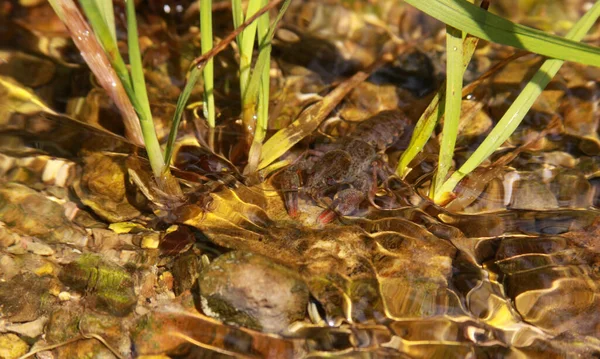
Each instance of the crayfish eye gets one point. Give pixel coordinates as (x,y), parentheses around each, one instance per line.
(330,181)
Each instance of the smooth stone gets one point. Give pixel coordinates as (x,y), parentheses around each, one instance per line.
(532,194)
(63,325)
(103,188)
(28,212)
(66,324)
(30,329)
(250,290)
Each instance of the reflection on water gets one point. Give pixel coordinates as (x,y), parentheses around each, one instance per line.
(510,268)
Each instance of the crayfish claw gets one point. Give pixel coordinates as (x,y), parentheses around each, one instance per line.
(289,183)
(326,216)
(344,203)
(291,203)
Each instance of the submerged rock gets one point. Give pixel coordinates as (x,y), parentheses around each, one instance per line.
(185,272)
(11,346)
(532,194)
(66,324)
(169,329)
(30,329)
(7,238)
(85,348)
(63,325)
(103,188)
(28,212)
(111,286)
(252,291)
(25,297)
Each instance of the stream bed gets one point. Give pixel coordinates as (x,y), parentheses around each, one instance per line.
(96,263)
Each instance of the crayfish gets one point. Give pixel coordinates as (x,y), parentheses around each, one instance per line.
(349,172)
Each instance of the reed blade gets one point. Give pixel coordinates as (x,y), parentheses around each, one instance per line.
(473,20)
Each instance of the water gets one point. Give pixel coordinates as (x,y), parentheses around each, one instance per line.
(508,269)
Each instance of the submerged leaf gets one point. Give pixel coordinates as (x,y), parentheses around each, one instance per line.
(16,98)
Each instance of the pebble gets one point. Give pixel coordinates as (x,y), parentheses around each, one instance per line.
(151,240)
(30,329)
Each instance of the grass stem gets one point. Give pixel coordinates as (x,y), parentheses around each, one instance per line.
(139,90)
(259,84)
(197,66)
(208,71)
(432,115)
(246,48)
(108,13)
(454,79)
(88,42)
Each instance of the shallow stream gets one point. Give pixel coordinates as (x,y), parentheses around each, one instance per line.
(96,263)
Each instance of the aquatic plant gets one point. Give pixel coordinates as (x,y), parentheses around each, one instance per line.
(208,71)
(255,82)
(135,107)
(461,18)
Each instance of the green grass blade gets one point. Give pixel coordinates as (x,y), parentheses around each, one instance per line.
(181,101)
(454,79)
(261,72)
(517,111)
(135,61)
(478,22)
(432,114)
(139,91)
(223,44)
(247,47)
(108,13)
(56,6)
(264,52)
(238,17)
(246,41)
(112,51)
(208,71)
(423,130)
(263,32)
